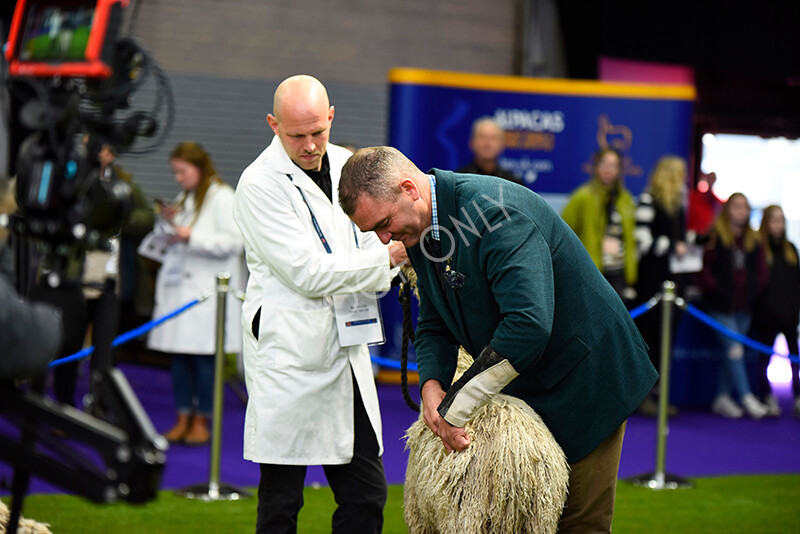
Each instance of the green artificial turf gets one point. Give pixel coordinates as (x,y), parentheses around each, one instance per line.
(752,504)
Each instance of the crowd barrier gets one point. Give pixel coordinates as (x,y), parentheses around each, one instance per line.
(658,479)
(214,490)
(136,332)
(736,336)
(390,363)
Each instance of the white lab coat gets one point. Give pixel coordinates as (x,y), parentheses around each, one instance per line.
(299,384)
(214,246)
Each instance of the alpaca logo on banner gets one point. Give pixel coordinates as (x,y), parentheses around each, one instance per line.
(619,137)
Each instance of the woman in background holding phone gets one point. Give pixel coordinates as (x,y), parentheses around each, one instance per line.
(203,241)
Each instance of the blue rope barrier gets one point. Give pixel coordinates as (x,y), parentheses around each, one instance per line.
(644,307)
(392,364)
(132,334)
(713,323)
(412,366)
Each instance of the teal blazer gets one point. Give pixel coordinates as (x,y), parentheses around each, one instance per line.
(532,292)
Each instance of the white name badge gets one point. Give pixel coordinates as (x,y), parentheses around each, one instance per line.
(358,319)
(691,262)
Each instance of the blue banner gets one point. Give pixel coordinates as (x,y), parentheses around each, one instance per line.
(551,126)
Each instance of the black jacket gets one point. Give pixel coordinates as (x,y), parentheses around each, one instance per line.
(779,303)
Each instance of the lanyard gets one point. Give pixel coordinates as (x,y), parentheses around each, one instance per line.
(434,209)
(316,223)
(453,278)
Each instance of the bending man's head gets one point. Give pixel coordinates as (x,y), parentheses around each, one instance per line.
(382,191)
(302,120)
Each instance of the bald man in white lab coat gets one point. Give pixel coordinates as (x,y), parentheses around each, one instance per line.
(312,396)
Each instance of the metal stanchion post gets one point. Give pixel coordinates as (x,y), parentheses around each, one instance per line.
(214,491)
(660,479)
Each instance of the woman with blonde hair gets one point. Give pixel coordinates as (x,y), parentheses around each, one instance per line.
(660,233)
(204,241)
(778,307)
(661,224)
(734,273)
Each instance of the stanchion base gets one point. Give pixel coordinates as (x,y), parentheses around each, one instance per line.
(213,492)
(659,481)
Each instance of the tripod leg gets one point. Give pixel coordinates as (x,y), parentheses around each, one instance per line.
(18,489)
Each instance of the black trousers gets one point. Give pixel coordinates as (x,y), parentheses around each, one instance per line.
(359,487)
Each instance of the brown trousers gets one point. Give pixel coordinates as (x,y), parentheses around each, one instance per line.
(593,488)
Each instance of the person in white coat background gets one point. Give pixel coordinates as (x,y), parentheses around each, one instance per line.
(204,241)
(312,401)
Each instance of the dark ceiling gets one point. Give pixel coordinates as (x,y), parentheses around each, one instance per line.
(746,55)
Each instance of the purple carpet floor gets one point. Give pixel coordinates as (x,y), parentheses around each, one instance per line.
(699,444)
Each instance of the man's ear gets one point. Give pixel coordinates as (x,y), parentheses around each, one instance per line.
(273,123)
(408,187)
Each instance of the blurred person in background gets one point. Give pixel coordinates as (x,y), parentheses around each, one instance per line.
(98,266)
(135,285)
(777,309)
(734,274)
(67,300)
(487,142)
(602,212)
(660,234)
(704,206)
(203,241)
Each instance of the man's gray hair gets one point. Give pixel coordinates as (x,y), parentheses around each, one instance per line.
(374,171)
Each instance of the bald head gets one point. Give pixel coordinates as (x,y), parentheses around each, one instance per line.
(302,119)
(297,93)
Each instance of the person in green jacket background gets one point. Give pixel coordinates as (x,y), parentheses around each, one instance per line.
(501,274)
(603,215)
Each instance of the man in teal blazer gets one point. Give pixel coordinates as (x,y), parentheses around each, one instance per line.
(501,274)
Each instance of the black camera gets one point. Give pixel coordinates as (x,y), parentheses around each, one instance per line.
(74,78)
